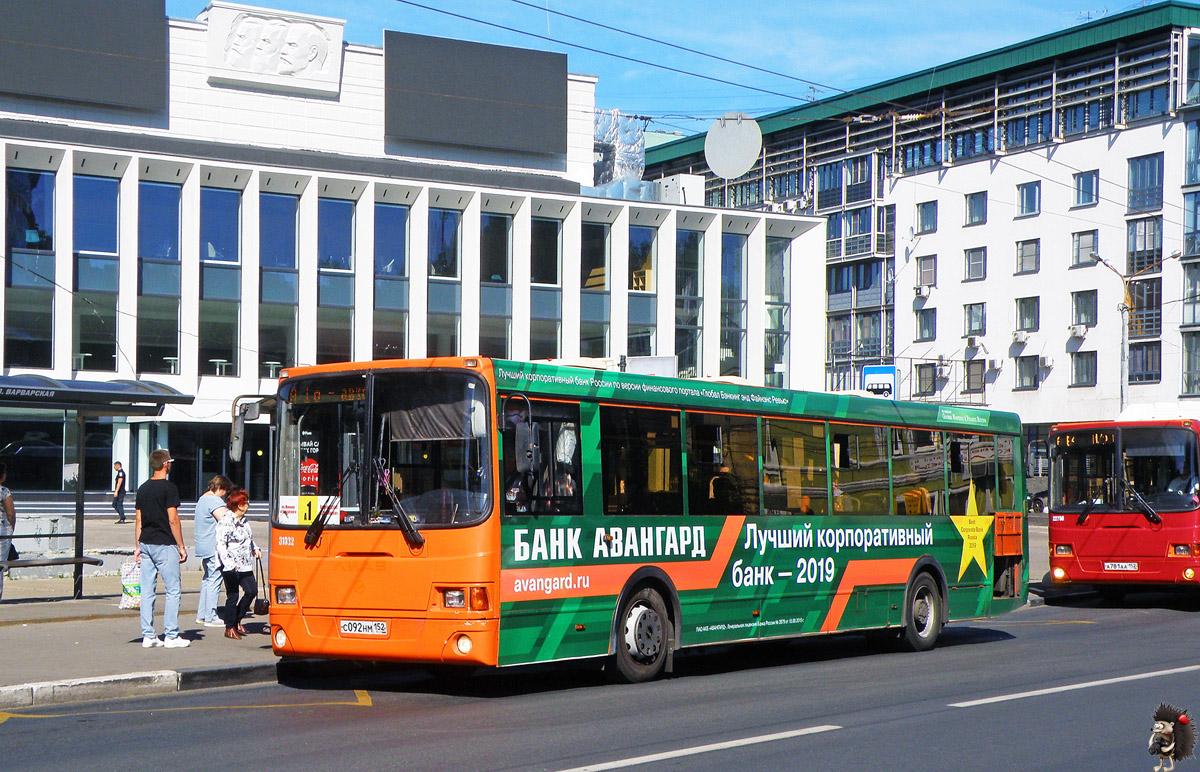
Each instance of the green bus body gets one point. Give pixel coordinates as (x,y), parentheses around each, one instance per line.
(733,578)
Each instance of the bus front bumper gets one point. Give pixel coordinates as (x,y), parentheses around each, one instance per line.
(1124,570)
(346,635)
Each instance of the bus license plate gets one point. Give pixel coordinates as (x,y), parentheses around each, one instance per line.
(1120,566)
(361,627)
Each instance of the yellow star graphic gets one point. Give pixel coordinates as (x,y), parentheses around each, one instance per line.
(973,527)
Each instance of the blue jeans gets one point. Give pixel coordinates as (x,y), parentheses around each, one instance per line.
(210,589)
(160,559)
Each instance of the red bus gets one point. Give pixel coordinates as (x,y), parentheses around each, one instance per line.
(1124,504)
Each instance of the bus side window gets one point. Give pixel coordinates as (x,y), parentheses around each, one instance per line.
(543,477)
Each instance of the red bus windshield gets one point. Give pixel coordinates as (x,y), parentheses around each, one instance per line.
(1122,469)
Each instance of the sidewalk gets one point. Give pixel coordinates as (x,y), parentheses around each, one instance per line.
(65,650)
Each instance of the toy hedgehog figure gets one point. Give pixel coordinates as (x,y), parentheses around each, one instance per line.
(1172,738)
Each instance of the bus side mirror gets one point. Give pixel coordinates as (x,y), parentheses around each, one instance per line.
(245,408)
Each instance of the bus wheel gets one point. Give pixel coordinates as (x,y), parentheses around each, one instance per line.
(924,614)
(643,635)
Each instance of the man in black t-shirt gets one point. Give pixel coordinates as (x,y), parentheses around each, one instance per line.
(159,548)
(119,491)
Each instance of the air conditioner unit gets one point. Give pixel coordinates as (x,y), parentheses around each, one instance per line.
(921,290)
(1045,362)
(1020,336)
(1077,330)
(972,341)
(993,364)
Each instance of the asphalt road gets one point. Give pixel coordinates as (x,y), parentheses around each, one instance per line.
(1065,687)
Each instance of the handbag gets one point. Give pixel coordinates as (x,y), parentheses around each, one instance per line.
(262,604)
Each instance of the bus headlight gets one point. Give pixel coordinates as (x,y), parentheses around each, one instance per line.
(1059,574)
(1063,549)
(280,638)
(1189,574)
(285,595)
(463,644)
(454,598)
(1181,550)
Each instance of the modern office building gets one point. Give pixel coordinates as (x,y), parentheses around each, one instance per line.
(204,203)
(988,217)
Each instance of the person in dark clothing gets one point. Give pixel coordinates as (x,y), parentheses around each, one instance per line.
(159,548)
(118,502)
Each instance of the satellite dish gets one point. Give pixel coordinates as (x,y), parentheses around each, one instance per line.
(732,145)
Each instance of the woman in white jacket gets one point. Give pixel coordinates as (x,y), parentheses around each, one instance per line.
(237,552)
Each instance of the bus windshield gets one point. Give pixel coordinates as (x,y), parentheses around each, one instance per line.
(1110,469)
(366,451)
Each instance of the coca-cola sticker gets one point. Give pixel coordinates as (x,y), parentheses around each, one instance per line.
(309,472)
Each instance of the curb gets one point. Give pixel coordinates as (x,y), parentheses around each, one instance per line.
(133,685)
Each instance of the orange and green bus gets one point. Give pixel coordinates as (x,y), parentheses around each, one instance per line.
(472,511)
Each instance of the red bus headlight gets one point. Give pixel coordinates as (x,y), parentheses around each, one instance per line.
(1184,550)
(1063,549)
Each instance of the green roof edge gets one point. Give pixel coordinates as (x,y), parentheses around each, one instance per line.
(1170,13)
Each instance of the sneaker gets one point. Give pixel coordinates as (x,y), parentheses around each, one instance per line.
(199,621)
(149,642)
(214,623)
(176,643)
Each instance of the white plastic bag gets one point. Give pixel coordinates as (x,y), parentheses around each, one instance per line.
(131,585)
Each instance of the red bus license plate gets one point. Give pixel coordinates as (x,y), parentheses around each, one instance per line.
(1120,566)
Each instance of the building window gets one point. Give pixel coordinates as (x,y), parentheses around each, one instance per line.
(974,319)
(927,217)
(218,339)
(926,379)
(1191,363)
(158,278)
(885,229)
(858,231)
(1191,293)
(858,179)
(829,185)
(94,300)
(733,304)
(975,268)
(277,230)
(839,337)
(1029,199)
(976,208)
(1083,368)
(29,299)
(1087,188)
(1029,256)
(1145,318)
(1191,224)
(1191,93)
(335,234)
(869,335)
(1145,362)
(779,251)
(642,242)
(1028,314)
(927,271)
(495,248)
(1146,183)
(391,240)
(220,225)
(444,244)
(975,369)
(495,305)
(1083,307)
(593,256)
(1145,245)
(689,251)
(1191,167)
(545,251)
(1084,247)
(926,324)
(1028,373)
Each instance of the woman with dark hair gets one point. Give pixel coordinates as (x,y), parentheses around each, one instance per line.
(237,551)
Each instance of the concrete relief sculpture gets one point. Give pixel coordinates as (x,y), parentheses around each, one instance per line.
(287,52)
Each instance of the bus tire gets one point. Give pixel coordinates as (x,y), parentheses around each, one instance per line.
(924,619)
(643,636)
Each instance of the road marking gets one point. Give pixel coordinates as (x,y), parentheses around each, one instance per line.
(762,738)
(361,699)
(1072,687)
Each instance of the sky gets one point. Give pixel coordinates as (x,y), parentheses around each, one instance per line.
(809,49)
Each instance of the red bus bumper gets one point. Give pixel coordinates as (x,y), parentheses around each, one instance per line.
(1124,570)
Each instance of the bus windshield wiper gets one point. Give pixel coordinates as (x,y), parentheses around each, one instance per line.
(1088,506)
(1145,508)
(411,534)
(317,526)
